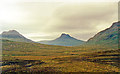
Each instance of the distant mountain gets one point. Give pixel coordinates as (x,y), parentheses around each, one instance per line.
(109,36)
(64,40)
(13,35)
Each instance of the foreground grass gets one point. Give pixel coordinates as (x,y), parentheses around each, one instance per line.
(35,57)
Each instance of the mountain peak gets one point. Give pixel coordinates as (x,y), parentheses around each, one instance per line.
(10,32)
(65,35)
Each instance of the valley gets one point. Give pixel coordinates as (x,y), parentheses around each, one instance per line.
(59,37)
(65,54)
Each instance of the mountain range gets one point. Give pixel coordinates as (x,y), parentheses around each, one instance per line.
(109,36)
(64,40)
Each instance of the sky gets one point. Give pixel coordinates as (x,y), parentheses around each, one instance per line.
(47,20)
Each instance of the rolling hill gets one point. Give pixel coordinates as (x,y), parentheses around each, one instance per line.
(64,40)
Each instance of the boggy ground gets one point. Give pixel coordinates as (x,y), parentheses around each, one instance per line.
(33,57)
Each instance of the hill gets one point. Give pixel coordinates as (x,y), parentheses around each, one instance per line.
(13,35)
(108,36)
(64,40)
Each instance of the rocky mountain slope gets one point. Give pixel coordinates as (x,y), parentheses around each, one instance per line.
(109,36)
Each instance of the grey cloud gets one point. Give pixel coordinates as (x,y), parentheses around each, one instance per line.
(82,17)
(81,20)
(83,36)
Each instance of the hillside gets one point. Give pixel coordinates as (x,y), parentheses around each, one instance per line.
(108,36)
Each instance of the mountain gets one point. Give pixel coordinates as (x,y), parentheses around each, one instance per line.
(64,40)
(109,36)
(13,35)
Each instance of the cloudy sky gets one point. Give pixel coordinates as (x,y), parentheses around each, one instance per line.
(47,20)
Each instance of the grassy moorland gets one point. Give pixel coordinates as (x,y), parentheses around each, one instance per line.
(35,57)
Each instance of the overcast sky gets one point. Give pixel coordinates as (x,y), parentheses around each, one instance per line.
(47,20)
